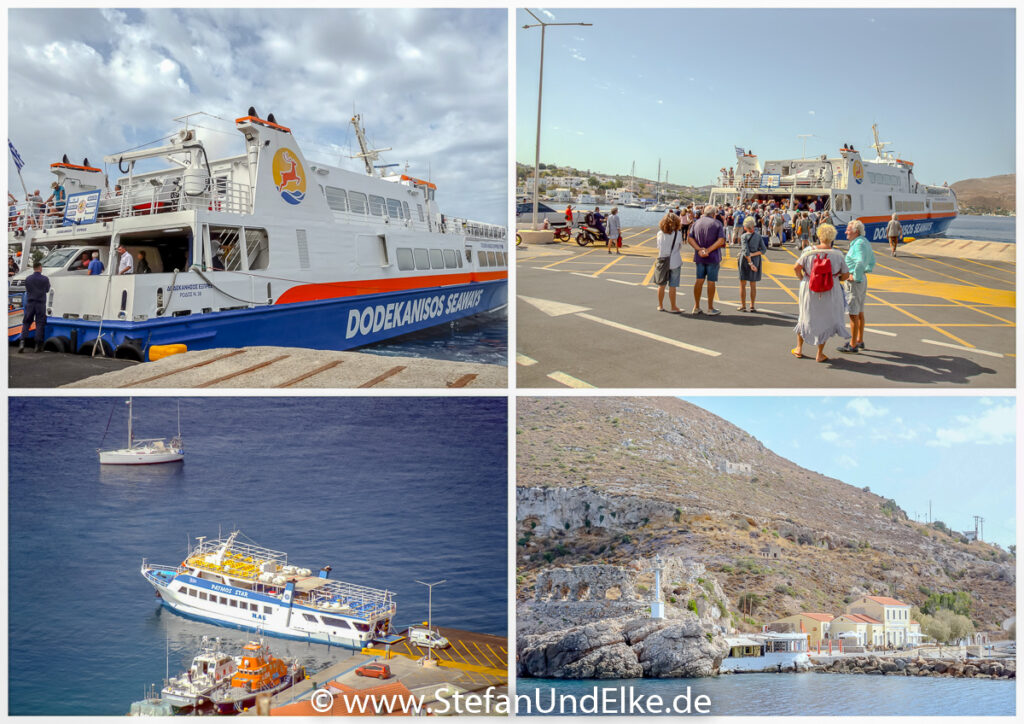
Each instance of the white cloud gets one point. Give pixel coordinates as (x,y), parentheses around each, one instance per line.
(994,425)
(436,90)
(829,435)
(863,407)
(551,15)
(810,113)
(660,102)
(847,462)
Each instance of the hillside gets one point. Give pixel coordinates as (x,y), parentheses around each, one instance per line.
(609,480)
(992,195)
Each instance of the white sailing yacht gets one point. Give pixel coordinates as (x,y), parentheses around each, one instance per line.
(149,451)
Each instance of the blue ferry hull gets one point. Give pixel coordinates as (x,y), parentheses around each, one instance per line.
(332,324)
(920,227)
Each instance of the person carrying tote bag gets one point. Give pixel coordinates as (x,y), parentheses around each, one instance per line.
(670,262)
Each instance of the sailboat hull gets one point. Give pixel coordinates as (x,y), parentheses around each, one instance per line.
(135,457)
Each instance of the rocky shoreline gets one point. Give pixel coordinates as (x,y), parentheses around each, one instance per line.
(899,666)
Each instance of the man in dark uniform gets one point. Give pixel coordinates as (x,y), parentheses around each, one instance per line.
(36,288)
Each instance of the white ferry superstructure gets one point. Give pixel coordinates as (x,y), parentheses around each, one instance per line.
(261,248)
(848,186)
(242,585)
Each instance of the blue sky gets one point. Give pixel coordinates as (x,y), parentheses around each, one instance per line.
(689,85)
(430,84)
(956,451)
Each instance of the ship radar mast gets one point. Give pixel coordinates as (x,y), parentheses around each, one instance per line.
(878,145)
(369,155)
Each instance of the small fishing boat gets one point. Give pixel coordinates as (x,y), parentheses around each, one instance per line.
(210,669)
(148,451)
(259,672)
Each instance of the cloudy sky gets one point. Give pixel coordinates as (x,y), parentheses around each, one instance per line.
(958,452)
(431,84)
(689,85)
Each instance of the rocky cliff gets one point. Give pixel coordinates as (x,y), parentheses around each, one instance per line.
(611,481)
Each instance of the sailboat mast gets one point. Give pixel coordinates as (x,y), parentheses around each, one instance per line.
(129,422)
(659,181)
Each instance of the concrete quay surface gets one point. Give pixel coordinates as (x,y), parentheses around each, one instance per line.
(941,314)
(266,368)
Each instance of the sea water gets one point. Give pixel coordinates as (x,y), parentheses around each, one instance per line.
(482,338)
(387,491)
(782,694)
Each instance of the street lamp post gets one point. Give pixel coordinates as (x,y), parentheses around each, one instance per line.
(540,94)
(430,608)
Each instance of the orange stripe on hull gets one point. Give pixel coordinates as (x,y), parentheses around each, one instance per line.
(334,290)
(904,217)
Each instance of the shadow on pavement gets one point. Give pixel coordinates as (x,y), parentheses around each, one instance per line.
(907,367)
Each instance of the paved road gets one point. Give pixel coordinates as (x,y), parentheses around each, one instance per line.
(587,319)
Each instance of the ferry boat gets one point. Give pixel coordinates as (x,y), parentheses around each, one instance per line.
(847,187)
(259,672)
(235,583)
(260,248)
(211,669)
(145,451)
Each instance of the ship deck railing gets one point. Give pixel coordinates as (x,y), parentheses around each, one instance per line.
(239,552)
(755,184)
(160,196)
(361,601)
(474,229)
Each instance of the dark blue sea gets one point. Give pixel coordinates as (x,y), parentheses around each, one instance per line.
(778,695)
(482,338)
(385,490)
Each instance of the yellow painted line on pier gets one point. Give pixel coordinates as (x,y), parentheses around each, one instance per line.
(917,318)
(609,265)
(650,275)
(474,667)
(569,380)
(575,257)
(525,361)
(973,308)
(975,294)
(970,271)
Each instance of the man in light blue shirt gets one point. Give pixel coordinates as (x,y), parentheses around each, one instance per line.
(95,266)
(861,260)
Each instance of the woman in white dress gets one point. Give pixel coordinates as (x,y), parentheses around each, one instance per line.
(822,312)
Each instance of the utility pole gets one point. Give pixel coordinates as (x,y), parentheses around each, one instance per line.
(805,136)
(430,608)
(540,94)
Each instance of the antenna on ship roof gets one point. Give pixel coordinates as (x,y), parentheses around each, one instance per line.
(878,145)
(369,155)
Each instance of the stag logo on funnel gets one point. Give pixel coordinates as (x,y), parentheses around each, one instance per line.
(289,176)
(858,171)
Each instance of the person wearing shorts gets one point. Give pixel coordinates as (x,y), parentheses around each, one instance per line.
(707,237)
(670,243)
(860,259)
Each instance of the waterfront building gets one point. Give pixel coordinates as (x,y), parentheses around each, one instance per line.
(894,615)
(857,628)
(815,625)
(770,650)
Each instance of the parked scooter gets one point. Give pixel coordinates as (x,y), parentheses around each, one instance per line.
(587,234)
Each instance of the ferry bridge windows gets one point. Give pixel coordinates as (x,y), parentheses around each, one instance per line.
(394,208)
(436,259)
(357,202)
(336,622)
(405,259)
(337,199)
(422,259)
(376,205)
(405,210)
(419,209)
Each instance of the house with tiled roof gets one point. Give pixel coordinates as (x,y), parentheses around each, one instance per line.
(857,629)
(816,625)
(893,614)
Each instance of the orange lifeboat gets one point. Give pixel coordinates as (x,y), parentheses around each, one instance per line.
(258,672)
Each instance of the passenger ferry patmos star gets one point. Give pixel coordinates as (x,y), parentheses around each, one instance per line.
(260,248)
(849,187)
(242,585)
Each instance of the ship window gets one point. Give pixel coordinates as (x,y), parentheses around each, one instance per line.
(394,208)
(337,199)
(405,210)
(225,248)
(202,595)
(405,260)
(223,601)
(419,208)
(266,609)
(336,622)
(504,258)
(491,261)
(450,259)
(422,259)
(362,626)
(233,603)
(481,258)
(257,248)
(310,617)
(376,205)
(436,259)
(458,258)
(469,255)
(357,202)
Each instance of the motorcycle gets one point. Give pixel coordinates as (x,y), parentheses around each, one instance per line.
(587,234)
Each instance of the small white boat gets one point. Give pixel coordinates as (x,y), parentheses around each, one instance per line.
(149,451)
(211,669)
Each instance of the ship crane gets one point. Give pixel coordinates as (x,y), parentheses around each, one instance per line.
(878,145)
(369,155)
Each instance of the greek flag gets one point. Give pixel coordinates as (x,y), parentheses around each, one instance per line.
(739,151)
(15,155)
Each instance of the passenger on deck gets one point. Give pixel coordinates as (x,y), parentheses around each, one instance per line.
(141,265)
(125,264)
(57,199)
(95,266)
(218,258)
(35,209)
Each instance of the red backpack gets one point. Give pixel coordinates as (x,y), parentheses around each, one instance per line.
(821,273)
